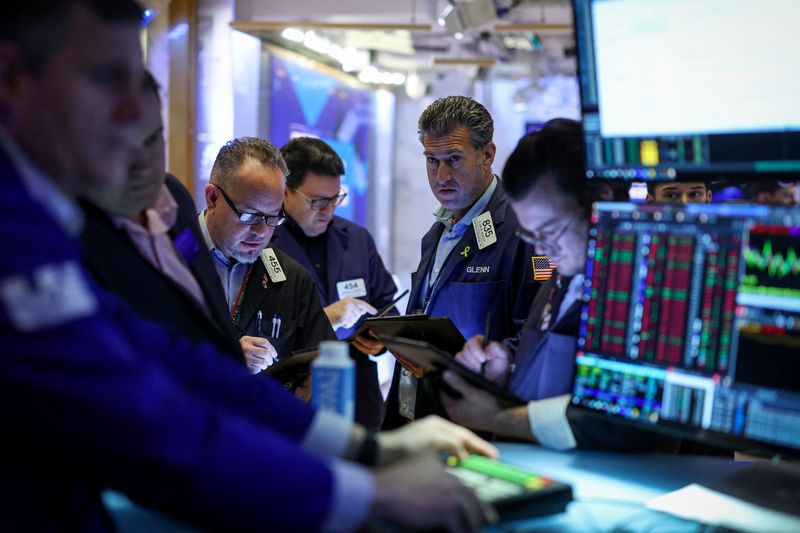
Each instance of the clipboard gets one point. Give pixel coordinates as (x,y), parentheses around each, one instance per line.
(438,331)
(433,359)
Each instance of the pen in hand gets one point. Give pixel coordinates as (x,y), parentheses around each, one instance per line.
(485,342)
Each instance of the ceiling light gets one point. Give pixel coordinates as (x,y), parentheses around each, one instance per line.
(293,34)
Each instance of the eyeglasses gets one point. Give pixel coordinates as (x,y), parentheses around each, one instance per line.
(251,219)
(320,203)
(543,238)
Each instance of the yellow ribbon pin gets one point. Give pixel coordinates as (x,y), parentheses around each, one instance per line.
(466,251)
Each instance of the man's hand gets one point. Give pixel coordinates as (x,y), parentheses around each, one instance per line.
(493,361)
(431,433)
(418,493)
(258,353)
(479,410)
(346,312)
(368,344)
(476,408)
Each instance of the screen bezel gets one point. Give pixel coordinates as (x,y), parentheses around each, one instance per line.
(706,175)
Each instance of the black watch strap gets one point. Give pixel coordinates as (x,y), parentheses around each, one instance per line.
(368,453)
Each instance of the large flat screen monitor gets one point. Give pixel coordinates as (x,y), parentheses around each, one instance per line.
(690,89)
(691,322)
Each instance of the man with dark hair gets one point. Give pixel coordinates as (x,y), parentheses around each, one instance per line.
(271,297)
(103,399)
(545,183)
(773,192)
(678,193)
(341,256)
(472,265)
(142,242)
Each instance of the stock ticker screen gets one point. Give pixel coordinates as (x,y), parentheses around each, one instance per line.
(691,318)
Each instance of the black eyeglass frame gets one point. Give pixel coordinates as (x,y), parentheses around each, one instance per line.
(320,203)
(251,219)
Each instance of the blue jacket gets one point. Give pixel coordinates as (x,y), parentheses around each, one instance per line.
(351,254)
(497,279)
(95,397)
(472,283)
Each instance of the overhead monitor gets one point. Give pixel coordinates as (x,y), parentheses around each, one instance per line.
(690,89)
(691,322)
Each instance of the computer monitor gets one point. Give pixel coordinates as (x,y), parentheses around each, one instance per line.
(689,89)
(691,322)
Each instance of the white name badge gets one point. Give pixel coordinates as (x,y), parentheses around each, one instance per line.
(273,266)
(484,230)
(353,288)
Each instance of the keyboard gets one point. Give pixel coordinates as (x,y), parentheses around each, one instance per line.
(514,492)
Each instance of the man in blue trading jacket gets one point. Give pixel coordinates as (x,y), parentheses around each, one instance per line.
(472,262)
(548,191)
(95,396)
(340,255)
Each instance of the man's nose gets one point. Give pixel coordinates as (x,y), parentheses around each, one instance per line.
(442,172)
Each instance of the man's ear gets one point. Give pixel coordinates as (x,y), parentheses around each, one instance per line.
(709,194)
(763,198)
(489,151)
(212,196)
(649,198)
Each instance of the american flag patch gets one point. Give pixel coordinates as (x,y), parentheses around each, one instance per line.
(542,268)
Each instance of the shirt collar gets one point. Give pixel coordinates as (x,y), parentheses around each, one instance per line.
(41,187)
(160,218)
(445,216)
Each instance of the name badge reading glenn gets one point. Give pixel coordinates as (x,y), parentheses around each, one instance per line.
(273,266)
(352,288)
(484,230)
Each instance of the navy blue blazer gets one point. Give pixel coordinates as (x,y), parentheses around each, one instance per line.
(351,254)
(497,279)
(472,283)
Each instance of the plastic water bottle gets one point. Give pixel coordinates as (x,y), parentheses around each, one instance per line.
(333,379)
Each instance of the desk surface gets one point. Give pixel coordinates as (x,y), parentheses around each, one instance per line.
(610,490)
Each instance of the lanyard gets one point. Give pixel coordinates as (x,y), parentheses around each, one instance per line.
(236,310)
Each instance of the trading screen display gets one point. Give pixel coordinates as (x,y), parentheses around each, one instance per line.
(689,89)
(691,318)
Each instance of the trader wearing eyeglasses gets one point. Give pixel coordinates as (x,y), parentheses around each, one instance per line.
(351,278)
(271,298)
(547,189)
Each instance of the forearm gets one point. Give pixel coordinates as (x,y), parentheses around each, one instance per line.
(513,423)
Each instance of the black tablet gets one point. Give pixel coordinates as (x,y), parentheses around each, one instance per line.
(438,331)
(295,363)
(433,359)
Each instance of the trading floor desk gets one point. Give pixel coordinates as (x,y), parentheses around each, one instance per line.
(610,490)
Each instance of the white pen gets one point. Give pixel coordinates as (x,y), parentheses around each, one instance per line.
(259,316)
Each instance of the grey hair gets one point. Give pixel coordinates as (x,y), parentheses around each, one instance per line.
(445,115)
(236,152)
